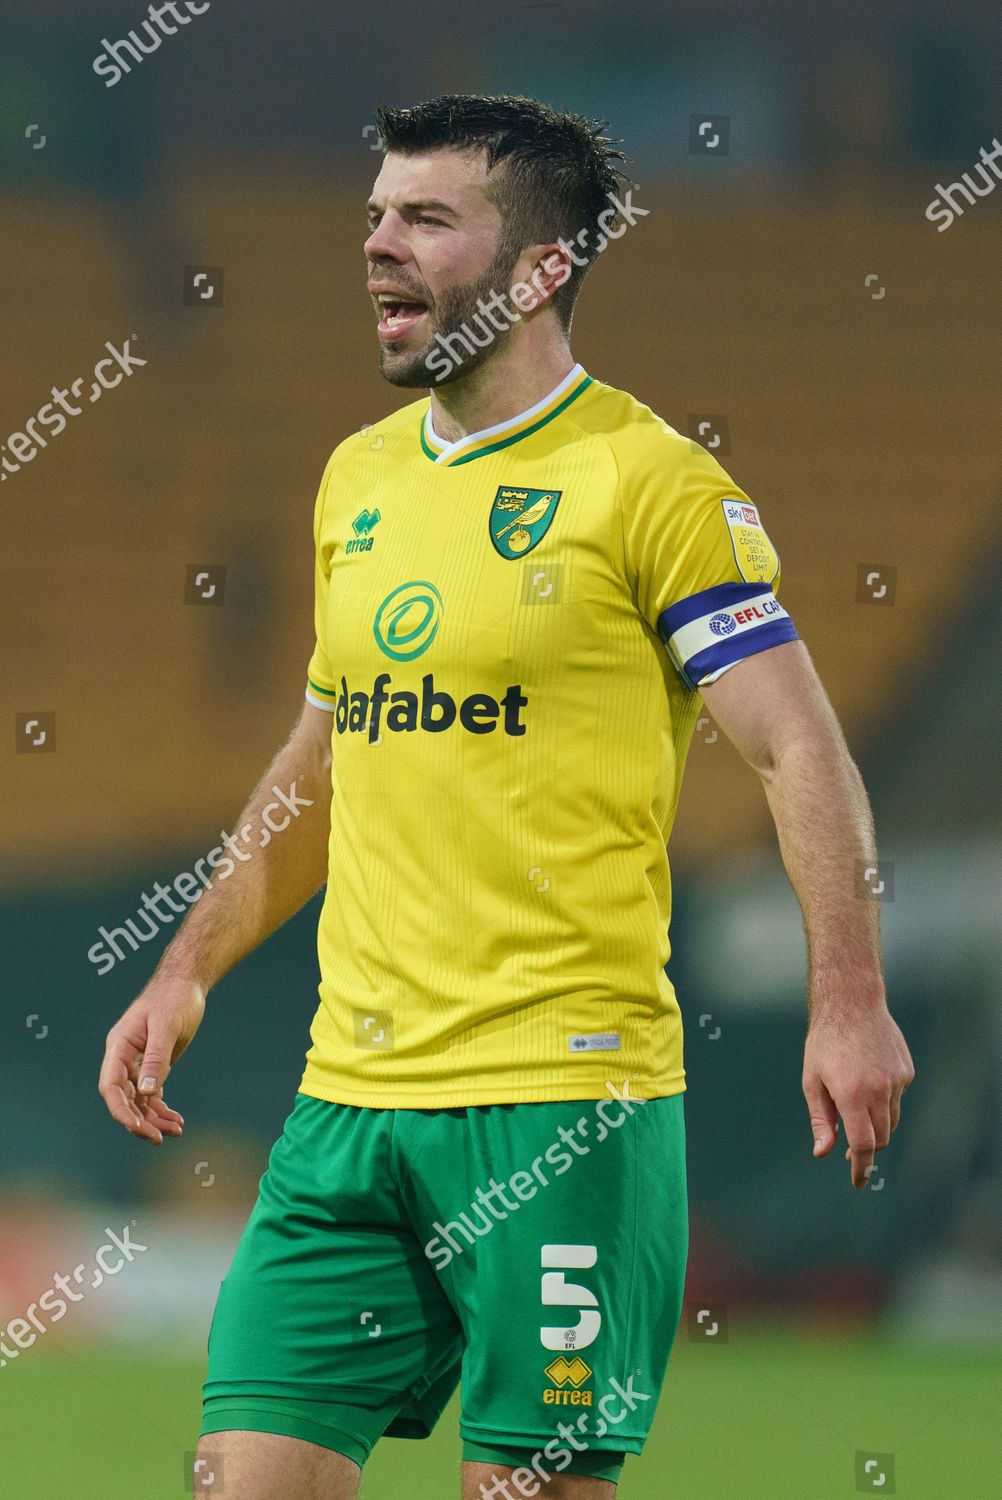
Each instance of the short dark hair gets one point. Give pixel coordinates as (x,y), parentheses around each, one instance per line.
(559,175)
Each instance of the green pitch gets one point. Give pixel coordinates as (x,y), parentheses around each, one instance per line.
(763,1417)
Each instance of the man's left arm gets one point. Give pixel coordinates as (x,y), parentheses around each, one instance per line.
(774,709)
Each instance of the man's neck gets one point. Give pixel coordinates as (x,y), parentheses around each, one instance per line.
(495,393)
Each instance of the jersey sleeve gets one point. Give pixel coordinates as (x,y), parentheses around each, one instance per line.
(704,568)
(319,675)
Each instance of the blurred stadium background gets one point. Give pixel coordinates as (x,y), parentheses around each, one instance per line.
(846,354)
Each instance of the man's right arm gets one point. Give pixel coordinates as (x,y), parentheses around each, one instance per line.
(273,875)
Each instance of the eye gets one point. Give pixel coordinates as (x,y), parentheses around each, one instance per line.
(426,219)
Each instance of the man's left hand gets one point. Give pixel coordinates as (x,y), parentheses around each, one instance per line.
(858,1068)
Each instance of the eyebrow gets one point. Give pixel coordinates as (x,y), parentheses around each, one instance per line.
(416,204)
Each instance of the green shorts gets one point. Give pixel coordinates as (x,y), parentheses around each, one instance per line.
(536,1252)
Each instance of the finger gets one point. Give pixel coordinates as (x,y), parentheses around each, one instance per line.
(146,1131)
(824,1116)
(862,1143)
(143,1126)
(135,1121)
(118,1056)
(163,1118)
(119,1091)
(122,1109)
(880,1119)
(146,1127)
(150,1128)
(156,1102)
(116,1090)
(156,1059)
(895,1108)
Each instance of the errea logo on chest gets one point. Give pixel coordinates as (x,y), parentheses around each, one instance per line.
(362,526)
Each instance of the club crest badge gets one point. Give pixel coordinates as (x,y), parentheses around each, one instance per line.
(520,518)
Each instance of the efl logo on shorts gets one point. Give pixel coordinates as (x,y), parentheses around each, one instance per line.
(557,1291)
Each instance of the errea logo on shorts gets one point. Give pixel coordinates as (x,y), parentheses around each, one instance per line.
(557,1291)
(566,1373)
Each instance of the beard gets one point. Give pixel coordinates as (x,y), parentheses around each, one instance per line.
(456,316)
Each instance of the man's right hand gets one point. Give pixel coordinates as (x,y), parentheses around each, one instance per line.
(152,1033)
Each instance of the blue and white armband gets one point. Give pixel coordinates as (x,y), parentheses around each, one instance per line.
(718,627)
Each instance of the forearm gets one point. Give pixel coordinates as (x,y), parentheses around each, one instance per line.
(275,860)
(774,710)
(826,837)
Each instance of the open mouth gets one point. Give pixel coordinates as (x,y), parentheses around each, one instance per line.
(398,316)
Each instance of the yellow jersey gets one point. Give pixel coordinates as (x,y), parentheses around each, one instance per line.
(511,631)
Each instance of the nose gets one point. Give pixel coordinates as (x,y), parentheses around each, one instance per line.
(384,242)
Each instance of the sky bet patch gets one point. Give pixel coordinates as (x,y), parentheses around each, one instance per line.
(754,554)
